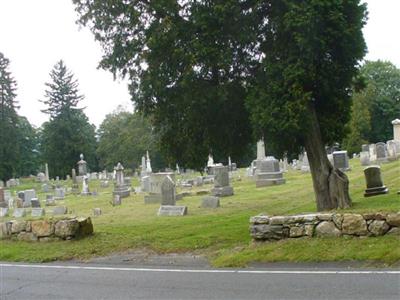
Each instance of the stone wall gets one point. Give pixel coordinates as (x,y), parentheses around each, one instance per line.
(46,230)
(264,227)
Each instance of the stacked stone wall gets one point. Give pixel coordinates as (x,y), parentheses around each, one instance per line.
(264,228)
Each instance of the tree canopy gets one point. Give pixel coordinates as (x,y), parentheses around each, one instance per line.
(209,71)
(68,133)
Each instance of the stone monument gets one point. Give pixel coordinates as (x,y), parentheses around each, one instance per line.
(396,129)
(168,191)
(120,187)
(374,182)
(85,186)
(269,172)
(341,160)
(381,152)
(221,182)
(149,170)
(75,187)
(364,158)
(82,166)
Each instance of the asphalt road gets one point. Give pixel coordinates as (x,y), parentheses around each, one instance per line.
(93,281)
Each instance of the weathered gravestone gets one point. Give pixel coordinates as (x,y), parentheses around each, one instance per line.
(59,194)
(304,165)
(19,212)
(50,201)
(221,182)
(392,150)
(172,210)
(155,187)
(37,212)
(104,184)
(168,191)
(28,196)
(364,158)
(210,202)
(365,148)
(75,187)
(145,184)
(381,152)
(97,211)
(60,210)
(374,182)
(3,212)
(35,203)
(18,203)
(120,187)
(269,173)
(372,152)
(82,166)
(341,160)
(45,188)
(116,200)
(85,186)
(396,129)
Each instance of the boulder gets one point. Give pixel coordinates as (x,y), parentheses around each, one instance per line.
(85,226)
(327,229)
(42,228)
(296,231)
(394,231)
(393,219)
(378,227)
(261,219)
(354,224)
(27,237)
(66,228)
(338,220)
(5,230)
(18,226)
(269,232)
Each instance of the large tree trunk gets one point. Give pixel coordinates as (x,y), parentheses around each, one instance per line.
(331,186)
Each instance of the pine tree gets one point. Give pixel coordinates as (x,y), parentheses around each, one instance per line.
(8,121)
(68,133)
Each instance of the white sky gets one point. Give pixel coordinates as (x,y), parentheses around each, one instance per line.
(35,34)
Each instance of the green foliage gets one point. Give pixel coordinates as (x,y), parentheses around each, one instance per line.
(68,133)
(9,148)
(125,137)
(311,50)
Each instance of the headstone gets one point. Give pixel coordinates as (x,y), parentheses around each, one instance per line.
(19,212)
(18,203)
(210,202)
(116,200)
(50,201)
(97,211)
(269,172)
(172,210)
(37,212)
(82,166)
(28,196)
(168,191)
(3,212)
(396,129)
(75,187)
(364,158)
(143,170)
(104,184)
(46,172)
(35,203)
(21,195)
(381,152)
(45,188)
(41,177)
(364,148)
(210,161)
(93,176)
(59,193)
(374,182)
(260,149)
(145,184)
(372,152)
(221,182)
(120,187)
(85,186)
(305,166)
(60,210)
(148,164)
(341,160)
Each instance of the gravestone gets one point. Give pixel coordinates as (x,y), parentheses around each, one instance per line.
(82,166)
(19,212)
(341,160)
(37,212)
(116,200)
(210,202)
(172,210)
(120,187)
(330,158)
(304,165)
(396,129)
(50,201)
(149,170)
(145,184)
(3,212)
(75,186)
(97,211)
(155,187)
(221,182)
(365,148)
(18,203)
(364,158)
(104,184)
(60,210)
(372,152)
(260,150)
(35,203)
(41,177)
(28,196)
(1,183)
(168,191)
(269,173)
(46,172)
(381,152)
(59,194)
(94,176)
(85,186)
(45,188)
(374,182)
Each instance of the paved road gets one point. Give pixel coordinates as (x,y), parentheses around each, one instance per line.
(93,281)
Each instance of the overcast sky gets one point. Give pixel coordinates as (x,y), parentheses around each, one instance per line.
(35,34)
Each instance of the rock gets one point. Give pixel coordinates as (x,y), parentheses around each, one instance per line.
(393,219)
(324,217)
(338,220)
(66,228)
(42,228)
(278,220)
(327,229)
(60,210)
(85,226)
(97,211)
(5,230)
(18,226)
(296,231)
(354,224)
(378,227)
(374,216)
(259,220)
(27,237)
(47,239)
(309,230)
(269,232)
(210,202)
(394,231)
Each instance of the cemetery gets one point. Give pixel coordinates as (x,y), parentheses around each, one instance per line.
(204,214)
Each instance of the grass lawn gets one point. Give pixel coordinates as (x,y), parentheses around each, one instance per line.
(221,234)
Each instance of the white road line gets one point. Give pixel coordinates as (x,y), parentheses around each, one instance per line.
(196,271)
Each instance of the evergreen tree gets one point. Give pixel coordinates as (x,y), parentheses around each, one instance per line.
(9,150)
(68,132)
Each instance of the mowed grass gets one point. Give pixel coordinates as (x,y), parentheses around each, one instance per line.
(221,234)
